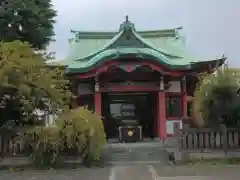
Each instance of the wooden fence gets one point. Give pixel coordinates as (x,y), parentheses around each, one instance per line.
(9,146)
(206,138)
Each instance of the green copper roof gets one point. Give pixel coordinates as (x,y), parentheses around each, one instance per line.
(116,53)
(90,49)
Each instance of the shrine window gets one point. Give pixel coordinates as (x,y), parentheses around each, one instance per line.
(124,112)
(174,106)
(121,110)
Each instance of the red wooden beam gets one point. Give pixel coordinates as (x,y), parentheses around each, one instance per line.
(128,77)
(132,88)
(104,67)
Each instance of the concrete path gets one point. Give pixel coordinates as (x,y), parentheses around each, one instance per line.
(68,174)
(128,172)
(196,173)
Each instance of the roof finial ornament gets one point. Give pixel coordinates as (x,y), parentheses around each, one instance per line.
(126,18)
(126,25)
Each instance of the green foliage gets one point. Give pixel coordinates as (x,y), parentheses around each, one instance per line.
(78,132)
(27,84)
(216,99)
(45,143)
(27,20)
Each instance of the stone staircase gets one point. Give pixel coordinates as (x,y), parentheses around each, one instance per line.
(142,152)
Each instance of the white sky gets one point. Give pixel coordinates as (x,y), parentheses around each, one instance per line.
(212,27)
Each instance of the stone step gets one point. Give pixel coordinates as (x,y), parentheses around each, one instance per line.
(137,152)
(135,145)
(121,163)
(139,157)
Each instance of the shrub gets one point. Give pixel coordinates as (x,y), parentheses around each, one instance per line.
(45,143)
(216,99)
(78,132)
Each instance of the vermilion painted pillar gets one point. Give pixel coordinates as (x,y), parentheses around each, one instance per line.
(161,113)
(98,98)
(98,103)
(184,97)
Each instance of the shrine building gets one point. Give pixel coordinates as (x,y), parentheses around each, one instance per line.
(135,78)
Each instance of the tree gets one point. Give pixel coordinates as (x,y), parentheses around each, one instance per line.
(217,100)
(27,20)
(27,84)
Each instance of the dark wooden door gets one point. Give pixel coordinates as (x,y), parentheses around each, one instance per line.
(119,110)
(127,110)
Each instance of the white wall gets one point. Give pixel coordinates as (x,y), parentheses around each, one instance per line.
(170,125)
(175,86)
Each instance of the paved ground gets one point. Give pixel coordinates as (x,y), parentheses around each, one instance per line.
(75,174)
(198,173)
(130,172)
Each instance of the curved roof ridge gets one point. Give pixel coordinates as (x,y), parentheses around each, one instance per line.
(116,53)
(152,46)
(128,26)
(109,43)
(112,33)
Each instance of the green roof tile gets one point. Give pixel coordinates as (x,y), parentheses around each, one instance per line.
(89,49)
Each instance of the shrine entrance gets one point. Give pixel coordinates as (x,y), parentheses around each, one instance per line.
(129,109)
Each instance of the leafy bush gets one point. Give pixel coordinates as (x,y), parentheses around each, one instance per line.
(78,132)
(45,143)
(216,99)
